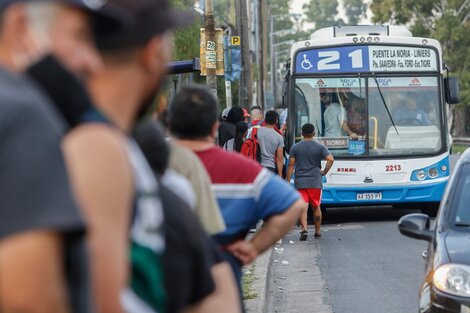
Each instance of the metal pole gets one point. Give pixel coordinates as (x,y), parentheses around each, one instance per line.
(209,25)
(271,50)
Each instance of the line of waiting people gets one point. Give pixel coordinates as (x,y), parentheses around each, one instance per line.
(96,214)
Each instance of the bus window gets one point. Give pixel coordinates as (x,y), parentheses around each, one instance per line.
(405,120)
(337,109)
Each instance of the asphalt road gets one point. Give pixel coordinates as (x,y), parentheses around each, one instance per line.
(360,265)
(368,265)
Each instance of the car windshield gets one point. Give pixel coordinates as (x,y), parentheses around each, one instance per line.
(462,216)
(373,116)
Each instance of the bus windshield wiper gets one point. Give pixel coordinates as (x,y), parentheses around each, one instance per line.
(385,104)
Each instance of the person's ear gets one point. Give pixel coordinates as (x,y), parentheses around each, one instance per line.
(150,55)
(14,30)
(215,129)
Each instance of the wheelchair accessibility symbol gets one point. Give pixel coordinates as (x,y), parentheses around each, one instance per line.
(306,64)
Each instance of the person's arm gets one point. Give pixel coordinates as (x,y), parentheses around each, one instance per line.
(32,274)
(346,128)
(225,298)
(290,169)
(273,229)
(103,185)
(329,163)
(279,160)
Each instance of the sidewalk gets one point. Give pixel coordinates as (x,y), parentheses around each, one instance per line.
(260,272)
(288,278)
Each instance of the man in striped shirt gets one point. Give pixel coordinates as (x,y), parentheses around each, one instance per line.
(245,191)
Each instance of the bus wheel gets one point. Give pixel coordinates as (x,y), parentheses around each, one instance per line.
(324,211)
(430,209)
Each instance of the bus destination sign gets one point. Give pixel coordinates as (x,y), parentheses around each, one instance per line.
(357,59)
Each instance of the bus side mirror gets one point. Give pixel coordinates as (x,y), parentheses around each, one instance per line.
(452,90)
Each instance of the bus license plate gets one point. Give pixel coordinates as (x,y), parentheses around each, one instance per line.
(369,196)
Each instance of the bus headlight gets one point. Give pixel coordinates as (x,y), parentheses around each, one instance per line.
(433,172)
(444,168)
(453,279)
(421,175)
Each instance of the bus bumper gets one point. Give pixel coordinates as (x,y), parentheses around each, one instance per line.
(430,192)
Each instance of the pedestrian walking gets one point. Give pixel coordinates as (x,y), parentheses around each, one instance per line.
(41,228)
(271,144)
(245,191)
(235,144)
(305,158)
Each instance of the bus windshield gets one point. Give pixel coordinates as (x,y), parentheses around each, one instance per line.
(368,116)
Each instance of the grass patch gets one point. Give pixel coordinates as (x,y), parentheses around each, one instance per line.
(247,283)
(456,149)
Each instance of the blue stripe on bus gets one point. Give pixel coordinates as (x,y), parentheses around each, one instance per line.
(392,194)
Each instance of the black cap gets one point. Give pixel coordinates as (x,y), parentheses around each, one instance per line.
(109,19)
(146,18)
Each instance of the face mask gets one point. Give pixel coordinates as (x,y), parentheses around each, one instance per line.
(67,93)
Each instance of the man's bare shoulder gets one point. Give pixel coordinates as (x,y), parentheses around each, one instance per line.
(95,138)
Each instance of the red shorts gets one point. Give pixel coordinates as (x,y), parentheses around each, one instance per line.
(311,196)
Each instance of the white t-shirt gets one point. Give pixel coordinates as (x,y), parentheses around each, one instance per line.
(334,117)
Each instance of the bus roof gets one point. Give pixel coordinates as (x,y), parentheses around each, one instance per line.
(361,30)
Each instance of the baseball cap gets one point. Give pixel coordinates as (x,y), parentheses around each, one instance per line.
(110,19)
(225,113)
(147,18)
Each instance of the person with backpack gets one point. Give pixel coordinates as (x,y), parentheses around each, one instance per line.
(271,144)
(306,157)
(235,144)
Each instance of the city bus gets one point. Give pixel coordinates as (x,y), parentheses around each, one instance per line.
(378,98)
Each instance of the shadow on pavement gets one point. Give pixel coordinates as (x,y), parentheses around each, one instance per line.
(364,214)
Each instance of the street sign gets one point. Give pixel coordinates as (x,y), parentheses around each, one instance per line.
(212,53)
(236,40)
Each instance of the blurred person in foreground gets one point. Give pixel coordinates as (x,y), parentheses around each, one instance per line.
(41,229)
(196,278)
(112,180)
(245,191)
(184,162)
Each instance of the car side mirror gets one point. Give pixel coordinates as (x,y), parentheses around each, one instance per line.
(452,90)
(417,226)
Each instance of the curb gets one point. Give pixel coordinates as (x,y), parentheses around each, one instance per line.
(262,267)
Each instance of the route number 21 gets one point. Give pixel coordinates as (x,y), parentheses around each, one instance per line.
(329,60)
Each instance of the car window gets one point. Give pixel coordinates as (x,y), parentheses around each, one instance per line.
(463,197)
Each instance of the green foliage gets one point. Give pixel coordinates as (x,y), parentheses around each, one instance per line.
(448,21)
(187,39)
(355,10)
(323,13)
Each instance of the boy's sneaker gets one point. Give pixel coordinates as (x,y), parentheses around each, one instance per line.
(303,235)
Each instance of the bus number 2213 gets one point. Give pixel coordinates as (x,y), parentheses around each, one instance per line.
(393,168)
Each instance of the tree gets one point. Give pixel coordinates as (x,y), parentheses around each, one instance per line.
(323,13)
(355,10)
(448,21)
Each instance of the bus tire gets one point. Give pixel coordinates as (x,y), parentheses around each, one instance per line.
(430,209)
